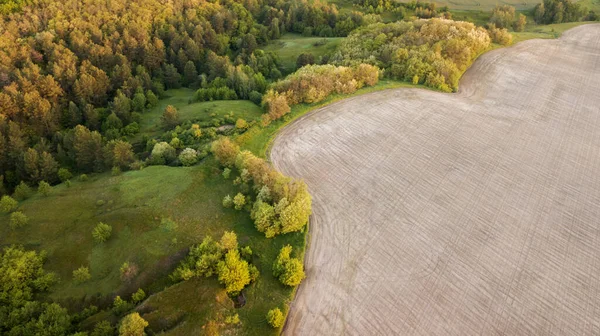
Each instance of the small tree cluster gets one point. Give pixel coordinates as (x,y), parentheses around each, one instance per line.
(275,318)
(81,275)
(313,83)
(220,258)
(288,270)
(18,219)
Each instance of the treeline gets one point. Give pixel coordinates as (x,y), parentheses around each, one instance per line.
(278,204)
(313,83)
(559,11)
(431,52)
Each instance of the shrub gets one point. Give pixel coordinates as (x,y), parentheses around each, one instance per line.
(226,173)
(120,306)
(64,174)
(227,201)
(83,178)
(22,191)
(132,325)
(241,124)
(289,271)
(500,36)
(233,319)
(138,296)
(188,157)
(81,275)
(115,171)
(239,201)
(102,232)
(103,328)
(162,153)
(225,151)
(44,188)
(8,204)
(275,318)
(18,219)
(255,97)
(128,271)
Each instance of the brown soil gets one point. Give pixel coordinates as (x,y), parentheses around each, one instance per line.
(457,214)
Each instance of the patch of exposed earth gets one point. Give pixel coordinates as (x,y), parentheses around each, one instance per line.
(457,214)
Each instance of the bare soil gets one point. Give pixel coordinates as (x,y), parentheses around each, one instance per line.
(457,214)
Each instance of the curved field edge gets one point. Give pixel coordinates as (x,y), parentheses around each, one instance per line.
(263,138)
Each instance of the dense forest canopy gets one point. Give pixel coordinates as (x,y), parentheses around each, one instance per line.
(432,52)
(98,65)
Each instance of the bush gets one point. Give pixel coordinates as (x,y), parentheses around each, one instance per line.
(83,178)
(120,306)
(102,232)
(275,318)
(239,201)
(227,201)
(188,157)
(138,296)
(115,171)
(22,191)
(44,188)
(103,328)
(500,36)
(18,219)
(226,173)
(128,271)
(132,325)
(8,204)
(241,124)
(289,271)
(81,275)
(64,174)
(255,97)
(162,153)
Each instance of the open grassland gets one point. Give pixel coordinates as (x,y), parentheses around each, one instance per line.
(453,214)
(290,46)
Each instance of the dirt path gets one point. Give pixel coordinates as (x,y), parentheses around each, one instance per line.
(457,214)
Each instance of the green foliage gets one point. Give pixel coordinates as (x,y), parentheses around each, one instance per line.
(83,178)
(115,171)
(226,173)
(81,275)
(239,201)
(227,201)
(22,191)
(232,319)
(64,174)
(120,306)
(503,16)
(188,157)
(228,241)
(18,219)
(436,52)
(138,296)
(162,153)
(103,328)
(8,204)
(132,325)
(44,188)
(225,151)
(102,232)
(233,272)
(170,117)
(558,11)
(288,270)
(275,318)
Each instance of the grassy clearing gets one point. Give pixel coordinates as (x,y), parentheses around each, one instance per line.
(545,31)
(198,111)
(291,45)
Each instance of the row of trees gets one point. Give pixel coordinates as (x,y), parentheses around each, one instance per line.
(280,204)
(431,52)
(558,11)
(313,83)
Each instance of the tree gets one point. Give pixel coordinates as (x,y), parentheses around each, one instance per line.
(162,153)
(520,24)
(120,306)
(172,78)
(170,117)
(233,272)
(225,151)
(151,99)
(305,59)
(22,191)
(102,232)
(44,188)
(139,100)
(103,328)
(88,149)
(81,275)
(188,157)
(138,296)
(229,241)
(241,124)
(64,174)
(190,75)
(227,201)
(289,271)
(8,204)
(239,201)
(122,153)
(275,318)
(18,219)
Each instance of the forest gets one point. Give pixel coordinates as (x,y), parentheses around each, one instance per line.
(115,102)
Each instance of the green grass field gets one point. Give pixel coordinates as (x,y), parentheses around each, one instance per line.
(197,111)
(291,45)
